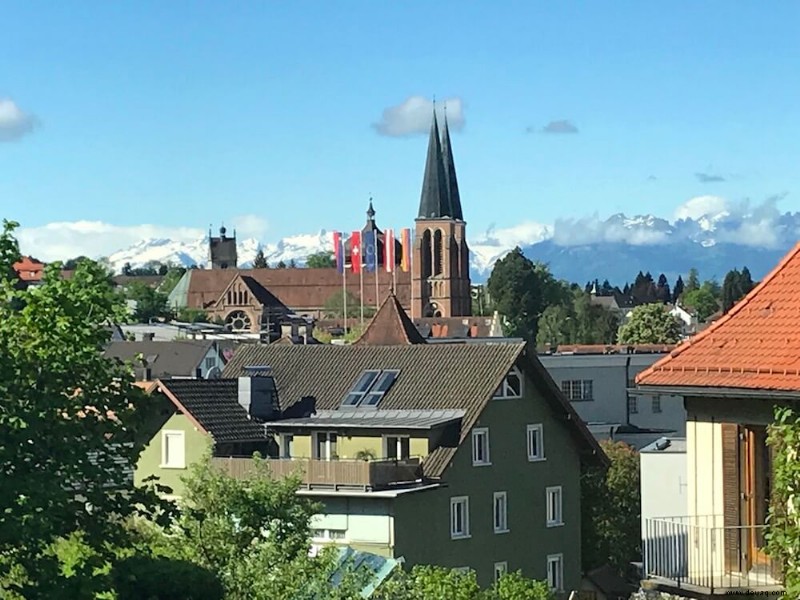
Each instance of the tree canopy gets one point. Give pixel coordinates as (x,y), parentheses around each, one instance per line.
(321,260)
(612,510)
(260,261)
(69,420)
(650,324)
(521,290)
(735,286)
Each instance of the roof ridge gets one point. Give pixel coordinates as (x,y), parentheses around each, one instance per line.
(735,310)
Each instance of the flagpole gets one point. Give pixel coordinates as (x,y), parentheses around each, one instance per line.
(377,268)
(344,290)
(361,293)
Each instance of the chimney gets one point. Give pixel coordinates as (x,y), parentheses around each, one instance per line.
(148,374)
(258,394)
(286,330)
(148,337)
(198,373)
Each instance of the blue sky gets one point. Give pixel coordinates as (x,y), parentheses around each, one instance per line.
(182,114)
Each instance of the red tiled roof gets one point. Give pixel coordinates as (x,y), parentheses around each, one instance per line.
(755,346)
(29,269)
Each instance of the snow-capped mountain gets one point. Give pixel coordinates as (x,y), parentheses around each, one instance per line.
(615,248)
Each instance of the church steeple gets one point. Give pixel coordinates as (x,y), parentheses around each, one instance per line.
(450,173)
(434,202)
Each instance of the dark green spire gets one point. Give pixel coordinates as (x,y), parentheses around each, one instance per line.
(434,202)
(450,173)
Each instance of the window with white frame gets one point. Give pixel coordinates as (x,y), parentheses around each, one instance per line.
(500,502)
(173,450)
(633,405)
(511,386)
(535,442)
(287,445)
(328,535)
(555,572)
(656,404)
(459,517)
(500,569)
(396,446)
(211,362)
(480,446)
(554,512)
(325,445)
(578,390)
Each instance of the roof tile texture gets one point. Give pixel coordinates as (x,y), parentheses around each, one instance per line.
(755,346)
(457,376)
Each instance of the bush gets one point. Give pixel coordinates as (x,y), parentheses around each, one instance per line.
(159,578)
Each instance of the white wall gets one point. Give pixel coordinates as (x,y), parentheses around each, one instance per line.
(366,521)
(664,482)
(610,374)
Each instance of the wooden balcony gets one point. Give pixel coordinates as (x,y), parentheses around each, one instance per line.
(331,474)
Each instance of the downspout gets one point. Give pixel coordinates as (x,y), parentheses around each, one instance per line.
(627,391)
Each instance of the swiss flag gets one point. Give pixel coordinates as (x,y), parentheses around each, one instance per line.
(355,251)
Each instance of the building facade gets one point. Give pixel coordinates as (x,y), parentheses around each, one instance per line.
(599,382)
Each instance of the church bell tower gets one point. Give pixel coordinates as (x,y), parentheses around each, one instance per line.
(440,285)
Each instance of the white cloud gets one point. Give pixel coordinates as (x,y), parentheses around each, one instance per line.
(249,226)
(593,230)
(701,206)
(68,239)
(413,116)
(14,122)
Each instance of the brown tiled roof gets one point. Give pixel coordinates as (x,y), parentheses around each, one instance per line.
(390,326)
(432,376)
(755,346)
(213,405)
(300,289)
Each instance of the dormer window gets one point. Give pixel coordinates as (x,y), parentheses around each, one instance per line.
(511,386)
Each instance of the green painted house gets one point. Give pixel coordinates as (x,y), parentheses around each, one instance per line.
(459,454)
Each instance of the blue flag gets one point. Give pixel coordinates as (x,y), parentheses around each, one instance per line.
(370,251)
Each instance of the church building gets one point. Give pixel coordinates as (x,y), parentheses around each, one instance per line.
(435,290)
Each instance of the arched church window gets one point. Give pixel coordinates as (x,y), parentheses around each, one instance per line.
(437,252)
(426,253)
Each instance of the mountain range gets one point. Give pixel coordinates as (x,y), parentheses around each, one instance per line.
(579,250)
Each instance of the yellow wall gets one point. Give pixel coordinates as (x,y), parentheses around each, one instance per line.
(349,447)
(196,445)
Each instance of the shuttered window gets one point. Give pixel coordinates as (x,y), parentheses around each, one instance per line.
(731,493)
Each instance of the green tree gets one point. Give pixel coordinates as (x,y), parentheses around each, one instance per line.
(521,290)
(321,260)
(71,263)
(650,324)
(281,264)
(150,302)
(171,279)
(593,324)
(260,261)
(556,326)
(693,280)
(69,419)
(159,577)
(292,263)
(334,306)
(192,315)
(702,301)
(679,287)
(423,582)
(611,510)
(254,534)
(783,526)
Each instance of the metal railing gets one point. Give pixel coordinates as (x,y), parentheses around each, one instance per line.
(700,552)
(366,474)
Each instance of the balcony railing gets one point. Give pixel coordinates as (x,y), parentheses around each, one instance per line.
(699,554)
(334,474)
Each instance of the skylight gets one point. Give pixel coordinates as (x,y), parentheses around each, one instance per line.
(356,394)
(370,388)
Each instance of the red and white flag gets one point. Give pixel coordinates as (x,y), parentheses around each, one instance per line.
(355,252)
(388,250)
